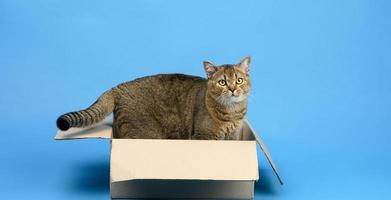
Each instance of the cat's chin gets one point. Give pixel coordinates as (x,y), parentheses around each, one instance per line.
(235,99)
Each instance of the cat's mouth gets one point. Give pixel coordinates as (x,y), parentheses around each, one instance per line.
(234,98)
(230,98)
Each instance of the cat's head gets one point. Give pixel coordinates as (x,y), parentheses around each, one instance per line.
(229,83)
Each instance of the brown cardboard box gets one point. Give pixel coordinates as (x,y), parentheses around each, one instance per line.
(142,168)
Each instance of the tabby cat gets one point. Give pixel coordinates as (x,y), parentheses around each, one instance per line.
(174,106)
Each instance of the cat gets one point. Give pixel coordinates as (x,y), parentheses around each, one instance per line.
(174,106)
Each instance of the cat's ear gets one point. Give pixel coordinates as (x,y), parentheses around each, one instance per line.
(245,64)
(209,68)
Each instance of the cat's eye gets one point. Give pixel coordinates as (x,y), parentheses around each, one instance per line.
(239,81)
(222,82)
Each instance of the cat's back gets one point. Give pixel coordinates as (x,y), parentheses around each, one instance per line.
(164,83)
(168,80)
(164,87)
(171,79)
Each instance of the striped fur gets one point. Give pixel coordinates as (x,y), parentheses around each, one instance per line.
(95,113)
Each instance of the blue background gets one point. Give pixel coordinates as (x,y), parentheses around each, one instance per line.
(320,97)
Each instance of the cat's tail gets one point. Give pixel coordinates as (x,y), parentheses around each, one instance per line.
(93,114)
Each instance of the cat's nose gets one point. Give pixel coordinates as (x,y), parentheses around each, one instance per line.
(233,93)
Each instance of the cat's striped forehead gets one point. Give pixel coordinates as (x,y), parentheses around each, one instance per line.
(228,72)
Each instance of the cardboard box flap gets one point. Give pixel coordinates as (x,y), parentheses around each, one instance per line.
(183,160)
(100,130)
(247,128)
